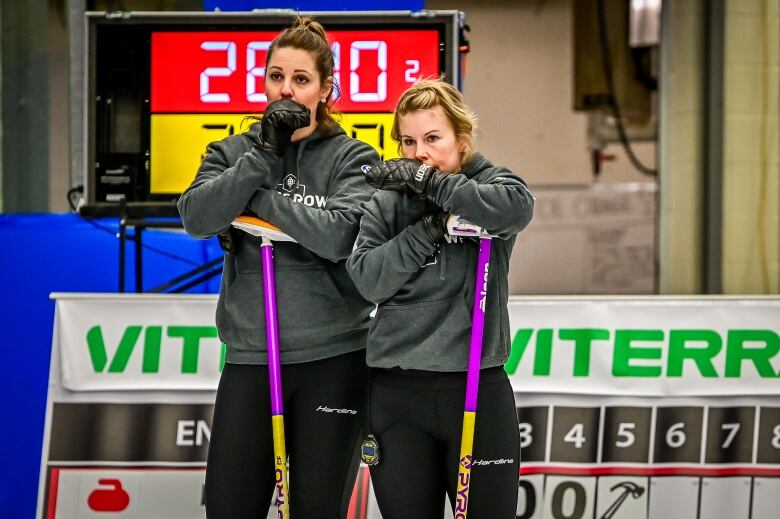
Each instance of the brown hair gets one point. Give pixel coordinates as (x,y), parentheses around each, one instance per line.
(307,34)
(428,93)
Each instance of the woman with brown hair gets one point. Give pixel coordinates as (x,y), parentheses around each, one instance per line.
(298,170)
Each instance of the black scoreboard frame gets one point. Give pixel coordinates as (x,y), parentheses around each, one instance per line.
(116,115)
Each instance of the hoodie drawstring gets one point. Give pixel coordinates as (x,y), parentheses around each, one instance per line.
(442,262)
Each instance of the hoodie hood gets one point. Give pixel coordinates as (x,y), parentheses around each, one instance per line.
(477,163)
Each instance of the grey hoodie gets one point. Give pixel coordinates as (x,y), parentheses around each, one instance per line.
(320,312)
(425,293)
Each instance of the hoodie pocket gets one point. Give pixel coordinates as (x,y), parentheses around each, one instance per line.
(309,308)
(309,303)
(431,335)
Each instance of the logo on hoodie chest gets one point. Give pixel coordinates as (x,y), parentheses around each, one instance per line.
(291,188)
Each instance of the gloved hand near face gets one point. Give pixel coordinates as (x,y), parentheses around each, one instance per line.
(280,120)
(405,175)
(436,226)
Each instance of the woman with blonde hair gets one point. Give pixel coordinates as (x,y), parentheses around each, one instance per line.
(423,282)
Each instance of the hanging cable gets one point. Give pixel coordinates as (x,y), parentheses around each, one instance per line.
(607,65)
(79,189)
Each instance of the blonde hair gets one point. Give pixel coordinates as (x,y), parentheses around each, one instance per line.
(307,34)
(429,93)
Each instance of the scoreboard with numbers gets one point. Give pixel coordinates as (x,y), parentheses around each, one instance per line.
(676,447)
(649,462)
(162,86)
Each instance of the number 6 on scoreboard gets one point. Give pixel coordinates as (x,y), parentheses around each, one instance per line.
(675,435)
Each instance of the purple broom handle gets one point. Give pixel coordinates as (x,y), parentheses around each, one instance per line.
(478,323)
(271,327)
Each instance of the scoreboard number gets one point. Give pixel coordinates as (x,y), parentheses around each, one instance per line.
(573,434)
(529,492)
(254,71)
(730,435)
(732,430)
(532,423)
(412,73)
(577,499)
(355,49)
(230,48)
(675,435)
(576,435)
(678,434)
(626,435)
(526,434)
(569,497)
(768,448)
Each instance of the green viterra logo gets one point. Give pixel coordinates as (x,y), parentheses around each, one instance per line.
(187,338)
(640,352)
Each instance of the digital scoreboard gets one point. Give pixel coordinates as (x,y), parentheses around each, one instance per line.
(161,86)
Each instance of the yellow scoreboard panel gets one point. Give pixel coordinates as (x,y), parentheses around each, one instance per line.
(178,142)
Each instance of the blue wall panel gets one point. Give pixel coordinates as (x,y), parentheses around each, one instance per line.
(40,254)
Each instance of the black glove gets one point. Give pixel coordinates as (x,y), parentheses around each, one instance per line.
(227,240)
(405,175)
(280,120)
(436,226)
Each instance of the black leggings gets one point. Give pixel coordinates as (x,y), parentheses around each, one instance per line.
(322,435)
(420,451)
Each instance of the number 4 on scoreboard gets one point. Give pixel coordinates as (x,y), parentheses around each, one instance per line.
(576,436)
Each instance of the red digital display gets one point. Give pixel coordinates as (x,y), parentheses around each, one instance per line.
(223,72)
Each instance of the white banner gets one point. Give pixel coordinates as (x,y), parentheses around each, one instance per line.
(653,346)
(630,434)
(137,342)
(656,346)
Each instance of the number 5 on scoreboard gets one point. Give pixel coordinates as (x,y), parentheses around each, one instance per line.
(626,433)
